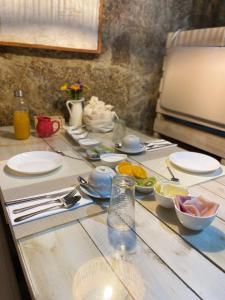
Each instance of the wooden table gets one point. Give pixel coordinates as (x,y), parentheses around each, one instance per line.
(76,255)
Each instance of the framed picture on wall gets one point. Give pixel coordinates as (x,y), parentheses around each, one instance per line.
(69,25)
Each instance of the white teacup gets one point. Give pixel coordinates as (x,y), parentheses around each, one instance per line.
(101,180)
(131,142)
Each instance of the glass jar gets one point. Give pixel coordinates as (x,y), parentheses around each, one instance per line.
(119,131)
(21,120)
(121,214)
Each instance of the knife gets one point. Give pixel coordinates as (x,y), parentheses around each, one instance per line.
(33,198)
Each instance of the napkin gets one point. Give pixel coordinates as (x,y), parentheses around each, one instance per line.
(98,116)
(83,201)
(196,206)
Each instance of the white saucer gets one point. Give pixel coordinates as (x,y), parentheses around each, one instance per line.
(129,151)
(35,162)
(92,194)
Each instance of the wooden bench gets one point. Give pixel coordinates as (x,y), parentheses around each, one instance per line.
(190,107)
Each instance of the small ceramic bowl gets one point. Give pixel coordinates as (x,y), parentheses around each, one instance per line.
(144,189)
(167,200)
(193,222)
(131,142)
(89,143)
(140,188)
(101,179)
(112,159)
(164,201)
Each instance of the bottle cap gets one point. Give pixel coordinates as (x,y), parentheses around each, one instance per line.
(18,93)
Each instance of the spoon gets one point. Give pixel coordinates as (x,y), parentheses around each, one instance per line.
(118,145)
(83,182)
(173,178)
(63,154)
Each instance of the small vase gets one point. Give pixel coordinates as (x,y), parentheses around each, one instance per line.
(75,108)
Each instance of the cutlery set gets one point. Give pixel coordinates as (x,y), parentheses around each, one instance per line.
(151,145)
(67,201)
(157,144)
(63,201)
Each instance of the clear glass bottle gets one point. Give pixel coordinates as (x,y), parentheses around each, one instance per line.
(119,131)
(121,214)
(21,120)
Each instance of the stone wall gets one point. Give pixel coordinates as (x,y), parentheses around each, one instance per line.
(126,74)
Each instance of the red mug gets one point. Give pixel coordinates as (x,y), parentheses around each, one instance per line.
(45,126)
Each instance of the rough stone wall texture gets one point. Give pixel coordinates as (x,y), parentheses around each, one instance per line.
(126,74)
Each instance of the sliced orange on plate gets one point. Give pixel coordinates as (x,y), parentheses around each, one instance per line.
(139,172)
(126,169)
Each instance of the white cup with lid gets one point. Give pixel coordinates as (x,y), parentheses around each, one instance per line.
(101,180)
(131,142)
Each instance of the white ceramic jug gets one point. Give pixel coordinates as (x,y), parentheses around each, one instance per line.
(75,109)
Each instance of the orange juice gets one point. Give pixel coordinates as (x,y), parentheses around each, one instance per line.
(21,124)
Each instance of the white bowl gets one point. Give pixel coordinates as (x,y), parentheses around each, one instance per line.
(194,222)
(164,201)
(112,159)
(89,143)
(131,142)
(167,200)
(101,179)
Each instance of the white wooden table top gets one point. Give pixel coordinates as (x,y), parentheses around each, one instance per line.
(80,257)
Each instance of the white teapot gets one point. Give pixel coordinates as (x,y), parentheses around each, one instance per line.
(101,180)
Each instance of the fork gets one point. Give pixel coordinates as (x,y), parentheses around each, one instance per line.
(59,200)
(71,201)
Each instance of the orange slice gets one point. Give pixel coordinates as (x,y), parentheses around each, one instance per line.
(124,163)
(126,169)
(139,172)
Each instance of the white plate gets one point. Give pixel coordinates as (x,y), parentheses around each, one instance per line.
(35,162)
(194,162)
(93,195)
(129,151)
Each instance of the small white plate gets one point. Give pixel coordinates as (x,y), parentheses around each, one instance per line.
(194,162)
(35,162)
(144,189)
(89,143)
(129,151)
(112,159)
(92,194)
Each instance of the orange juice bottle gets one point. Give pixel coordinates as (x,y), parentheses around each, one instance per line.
(21,120)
